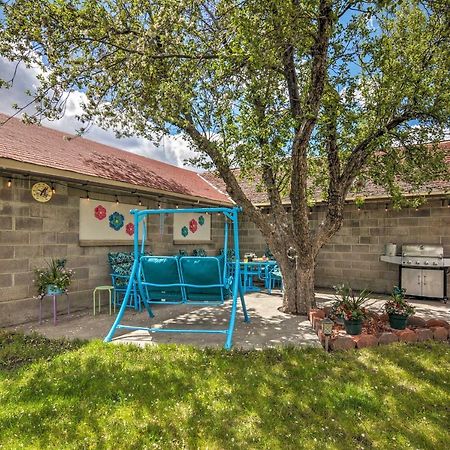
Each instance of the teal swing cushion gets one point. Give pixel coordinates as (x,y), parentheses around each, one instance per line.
(203,271)
(161,270)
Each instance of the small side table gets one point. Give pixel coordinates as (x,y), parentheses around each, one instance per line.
(54,306)
(99,289)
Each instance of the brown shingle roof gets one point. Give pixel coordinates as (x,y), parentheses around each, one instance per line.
(44,146)
(370,190)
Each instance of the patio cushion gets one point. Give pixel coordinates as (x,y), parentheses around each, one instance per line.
(161,270)
(204,271)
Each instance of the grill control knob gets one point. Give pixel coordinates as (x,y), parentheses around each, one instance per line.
(435,263)
(417,262)
(409,261)
(426,263)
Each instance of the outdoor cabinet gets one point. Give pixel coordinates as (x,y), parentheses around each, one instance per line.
(423,282)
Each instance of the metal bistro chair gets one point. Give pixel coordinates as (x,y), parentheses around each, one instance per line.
(273,278)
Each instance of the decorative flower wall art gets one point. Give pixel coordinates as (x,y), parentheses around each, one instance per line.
(129,229)
(116,221)
(192,227)
(100,212)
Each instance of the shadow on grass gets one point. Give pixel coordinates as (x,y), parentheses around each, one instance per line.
(18,349)
(177,396)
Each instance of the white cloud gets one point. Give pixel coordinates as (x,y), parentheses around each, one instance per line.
(173,149)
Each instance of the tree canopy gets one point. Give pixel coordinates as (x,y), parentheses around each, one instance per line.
(317,95)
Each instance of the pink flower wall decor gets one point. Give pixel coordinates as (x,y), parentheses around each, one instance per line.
(100,212)
(129,229)
(193,225)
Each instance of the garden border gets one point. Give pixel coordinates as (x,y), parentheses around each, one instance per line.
(417,330)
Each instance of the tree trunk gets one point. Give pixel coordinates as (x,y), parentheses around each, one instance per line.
(298,285)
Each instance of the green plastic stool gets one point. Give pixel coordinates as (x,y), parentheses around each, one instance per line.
(100,289)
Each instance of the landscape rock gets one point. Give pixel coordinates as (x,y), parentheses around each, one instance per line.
(416,321)
(342,343)
(440,333)
(387,338)
(365,340)
(437,323)
(424,334)
(406,335)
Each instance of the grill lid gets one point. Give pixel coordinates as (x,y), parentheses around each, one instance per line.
(424,250)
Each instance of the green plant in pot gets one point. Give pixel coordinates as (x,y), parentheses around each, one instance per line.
(350,307)
(398,309)
(54,279)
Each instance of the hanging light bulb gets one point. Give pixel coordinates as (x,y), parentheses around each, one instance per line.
(87,195)
(117,200)
(448,204)
(140,201)
(53,188)
(386,207)
(9,183)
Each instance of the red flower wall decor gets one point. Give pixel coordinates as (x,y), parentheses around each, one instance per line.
(100,212)
(193,225)
(130,229)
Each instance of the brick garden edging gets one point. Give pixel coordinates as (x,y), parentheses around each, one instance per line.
(417,330)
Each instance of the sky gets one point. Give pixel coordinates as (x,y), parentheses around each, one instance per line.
(174,150)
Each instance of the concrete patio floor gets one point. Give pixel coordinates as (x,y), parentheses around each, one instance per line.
(268,327)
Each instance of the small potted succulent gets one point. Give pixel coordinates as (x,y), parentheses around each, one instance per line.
(350,308)
(398,309)
(54,279)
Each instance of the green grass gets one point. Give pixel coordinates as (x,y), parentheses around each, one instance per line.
(56,394)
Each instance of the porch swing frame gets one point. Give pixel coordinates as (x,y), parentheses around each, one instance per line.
(228,281)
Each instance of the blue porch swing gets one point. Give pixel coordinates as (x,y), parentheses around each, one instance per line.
(185,280)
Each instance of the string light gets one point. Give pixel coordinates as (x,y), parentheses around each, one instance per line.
(310,211)
(53,188)
(140,201)
(87,195)
(117,200)
(176,206)
(386,207)
(9,183)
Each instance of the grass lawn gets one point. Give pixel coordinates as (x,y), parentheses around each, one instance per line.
(57,394)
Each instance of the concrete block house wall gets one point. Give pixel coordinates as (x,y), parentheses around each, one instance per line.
(32,233)
(352,255)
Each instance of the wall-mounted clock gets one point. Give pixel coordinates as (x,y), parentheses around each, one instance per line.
(41,192)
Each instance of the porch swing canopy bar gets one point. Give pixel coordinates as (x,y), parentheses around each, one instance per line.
(147,212)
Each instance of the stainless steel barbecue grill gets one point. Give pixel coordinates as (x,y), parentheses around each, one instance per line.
(422,270)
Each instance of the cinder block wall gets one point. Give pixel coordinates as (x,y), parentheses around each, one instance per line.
(31,233)
(352,256)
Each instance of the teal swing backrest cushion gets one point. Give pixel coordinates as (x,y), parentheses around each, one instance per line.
(161,270)
(202,271)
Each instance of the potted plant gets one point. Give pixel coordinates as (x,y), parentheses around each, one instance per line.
(398,309)
(54,279)
(350,307)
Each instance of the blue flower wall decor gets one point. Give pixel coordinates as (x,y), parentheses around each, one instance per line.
(201,220)
(116,221)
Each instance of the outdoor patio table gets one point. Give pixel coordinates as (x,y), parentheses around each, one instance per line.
(255,268)
(54,306)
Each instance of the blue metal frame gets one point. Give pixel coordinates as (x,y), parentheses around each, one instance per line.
(227,282)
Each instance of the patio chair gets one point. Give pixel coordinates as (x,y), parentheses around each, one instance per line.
(273,278)
(121,264)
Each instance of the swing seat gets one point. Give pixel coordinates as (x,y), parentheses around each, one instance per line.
(163,270)
(203,271)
